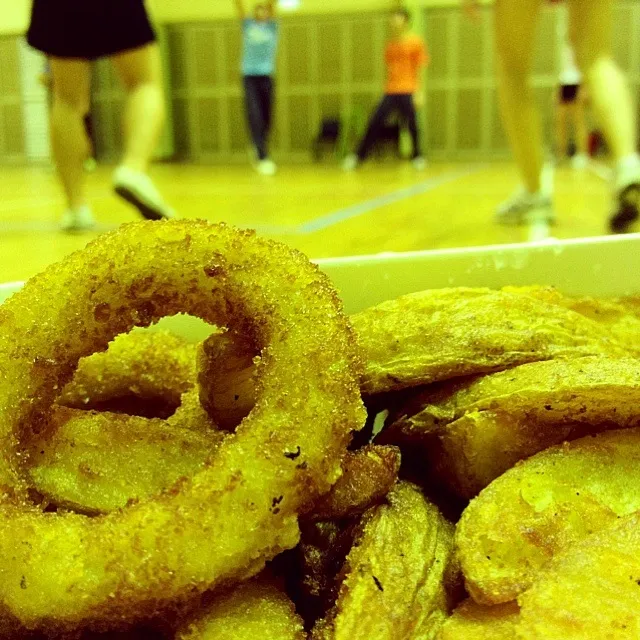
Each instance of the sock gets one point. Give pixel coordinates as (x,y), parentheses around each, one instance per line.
(628,162)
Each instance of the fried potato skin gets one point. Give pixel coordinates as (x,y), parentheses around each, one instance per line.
(368,475)
(319,558)
(544,506)
(620,316)
(473,621)
(590,591)
(328,529)
(475,429)
(397,574)
(255,610)
(101,462)
(142,364)
(441,334)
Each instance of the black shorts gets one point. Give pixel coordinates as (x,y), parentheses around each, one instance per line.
(88,29)
(569,93)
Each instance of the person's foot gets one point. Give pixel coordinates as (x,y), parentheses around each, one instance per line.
(138,190)
(526,208)
(628,209)
(266,167)
(350,163)
(77,220)
(580,161)
(627,190)
(419,163)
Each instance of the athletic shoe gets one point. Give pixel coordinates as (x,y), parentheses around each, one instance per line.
(350,163)
(77,221)
(266,167)
(627,190)
(419,163)
(580,161)
(628,207)
(526,208)
(138,189)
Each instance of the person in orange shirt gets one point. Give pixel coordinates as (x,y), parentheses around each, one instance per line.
(405,56)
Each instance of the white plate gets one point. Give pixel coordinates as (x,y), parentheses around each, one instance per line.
(604,266)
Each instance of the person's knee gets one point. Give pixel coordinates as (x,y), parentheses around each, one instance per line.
(590,54)
(140,69)
(142,82)
(71,99)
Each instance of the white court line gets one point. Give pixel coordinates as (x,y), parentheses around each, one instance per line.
(362,208)
(601,170)
(45,227)
(314,225)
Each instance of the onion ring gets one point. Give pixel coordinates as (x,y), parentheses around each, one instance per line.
(225,522)
(226,375)
(147,456)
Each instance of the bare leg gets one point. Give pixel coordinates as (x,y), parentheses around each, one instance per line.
(70,145)
(515,25)
(591,32)
(561,130)
(580,125)
(141,73)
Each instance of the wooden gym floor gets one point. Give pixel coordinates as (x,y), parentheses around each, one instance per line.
(316,208)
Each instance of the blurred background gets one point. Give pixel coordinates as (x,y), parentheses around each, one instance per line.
(330,75)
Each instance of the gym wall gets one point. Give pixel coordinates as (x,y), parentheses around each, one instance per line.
(329,66)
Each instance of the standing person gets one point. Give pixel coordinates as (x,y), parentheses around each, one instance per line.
(259,48)
(591,34)
(570,108)
(405,56)
(73,33)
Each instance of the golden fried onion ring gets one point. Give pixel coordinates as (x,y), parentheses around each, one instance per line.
(222,524)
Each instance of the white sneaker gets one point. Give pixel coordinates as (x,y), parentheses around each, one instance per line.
(138,189)
(77,221)
(419,163)
(266,167)
(350,163)
(627,173)
(580,161)
(526,208)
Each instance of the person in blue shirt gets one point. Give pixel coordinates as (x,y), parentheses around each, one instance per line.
(259,46)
